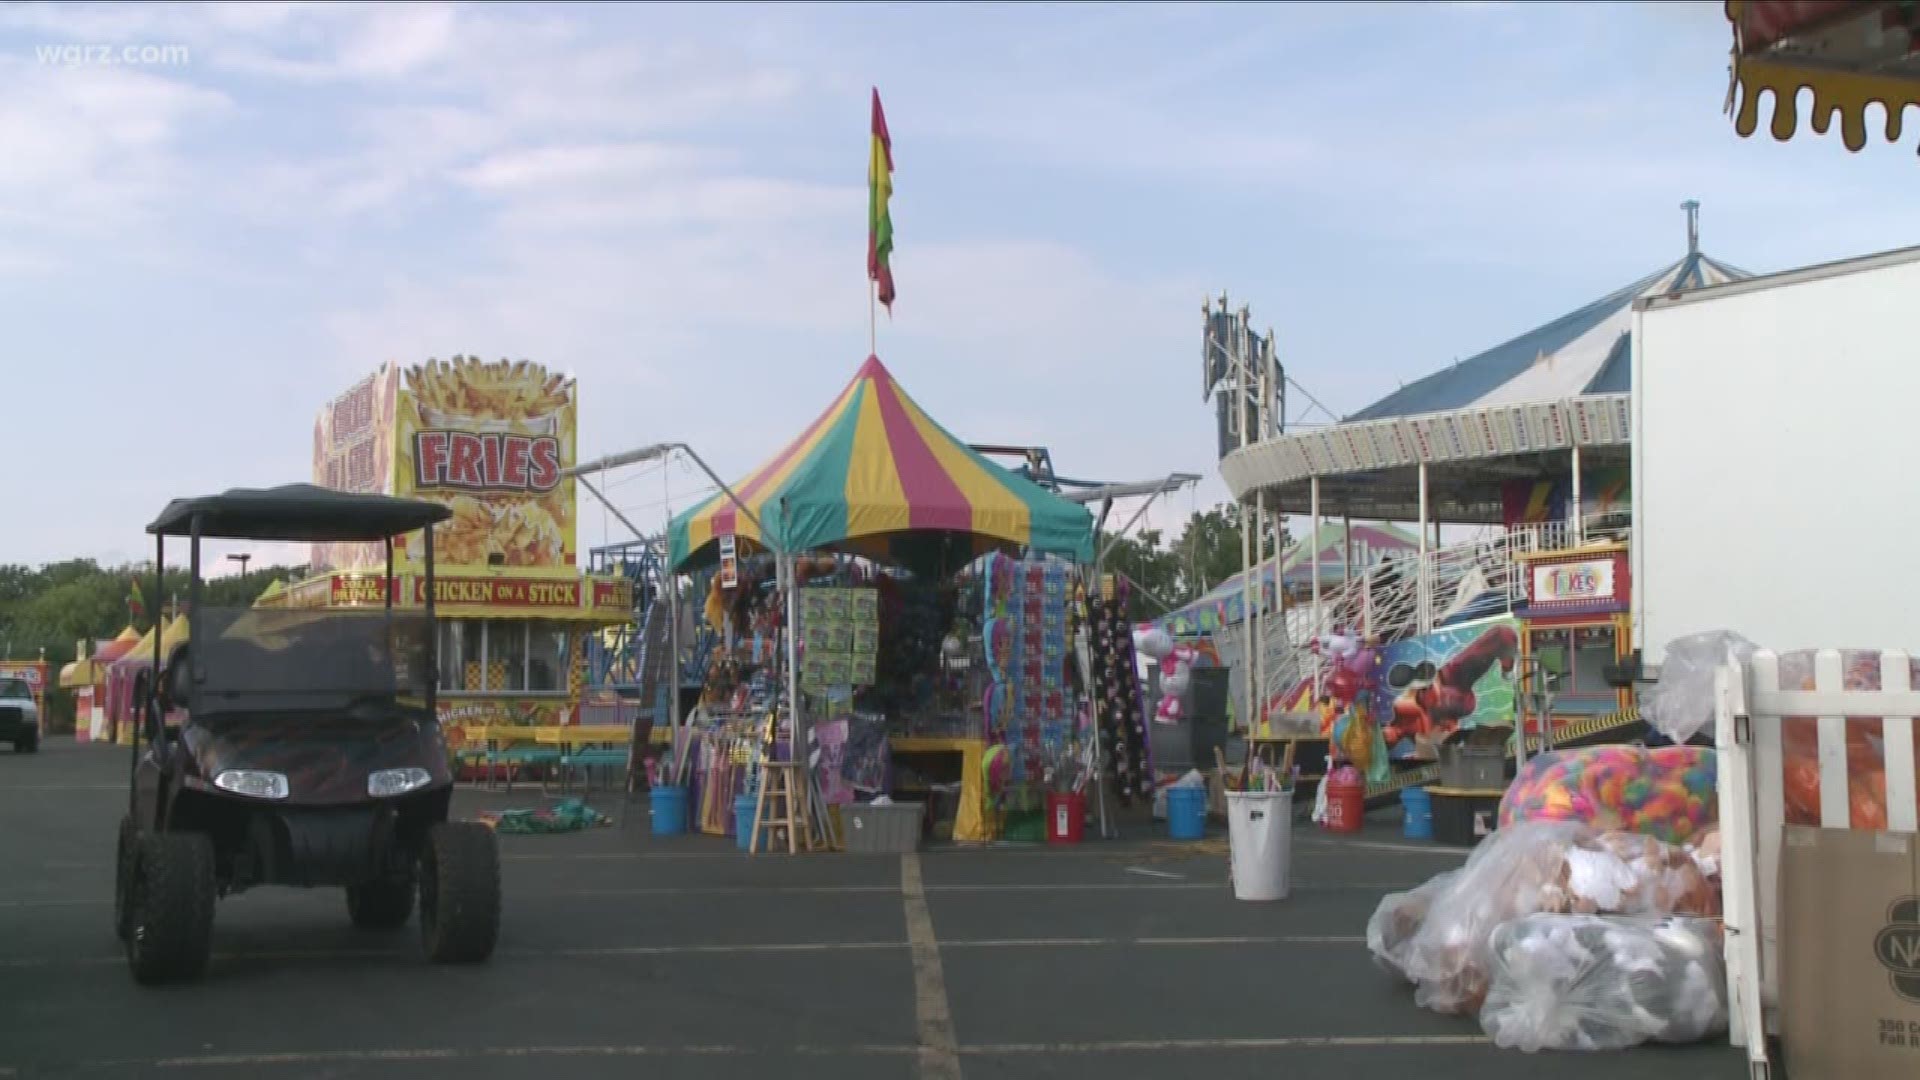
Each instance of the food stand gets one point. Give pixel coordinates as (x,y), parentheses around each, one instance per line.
(896,512)
(491,441)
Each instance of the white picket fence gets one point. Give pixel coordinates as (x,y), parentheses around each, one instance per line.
(1750,706)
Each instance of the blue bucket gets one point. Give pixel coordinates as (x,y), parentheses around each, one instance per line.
(669,810)
(743,808)
(1419,813)
(1187,813)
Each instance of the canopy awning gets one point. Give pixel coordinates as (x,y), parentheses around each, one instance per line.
(75,674)
(1850,53)
(123,643)
(877,476)
(172,634)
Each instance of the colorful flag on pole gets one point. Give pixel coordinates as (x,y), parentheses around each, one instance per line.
(879,218)
(136,603)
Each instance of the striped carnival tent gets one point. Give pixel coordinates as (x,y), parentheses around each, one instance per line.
(875,475)
(1586,351)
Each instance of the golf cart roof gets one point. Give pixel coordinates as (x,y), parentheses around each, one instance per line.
(297,512)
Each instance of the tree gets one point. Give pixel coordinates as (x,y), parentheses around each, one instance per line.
(45,611)
(1209,548)
(1206,554)
(1150,566)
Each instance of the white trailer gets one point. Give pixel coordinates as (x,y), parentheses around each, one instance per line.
(1776,459)
(1774,494)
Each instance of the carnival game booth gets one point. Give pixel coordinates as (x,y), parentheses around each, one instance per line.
(912,598)
(1527,441)
(86,679)
(491,440)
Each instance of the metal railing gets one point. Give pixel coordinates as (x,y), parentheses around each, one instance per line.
(1476,578)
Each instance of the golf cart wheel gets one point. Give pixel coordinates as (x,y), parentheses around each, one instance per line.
(459,893)
(170,907)
(123,876)
(26,744)
(381,905)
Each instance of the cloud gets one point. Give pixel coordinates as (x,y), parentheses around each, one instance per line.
(548,167)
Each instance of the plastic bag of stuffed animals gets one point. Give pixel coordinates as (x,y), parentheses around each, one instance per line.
(1666,792)
(1535,867)
(1589,982)
(1399,917)
(1681,701)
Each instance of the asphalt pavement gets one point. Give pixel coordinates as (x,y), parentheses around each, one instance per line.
(623,954)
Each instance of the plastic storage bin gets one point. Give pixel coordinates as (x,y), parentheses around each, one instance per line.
(1468,762)
(886,829)
(1260,836)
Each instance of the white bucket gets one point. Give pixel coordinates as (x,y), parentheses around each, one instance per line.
(1260,835)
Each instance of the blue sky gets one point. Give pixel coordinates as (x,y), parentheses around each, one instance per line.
(670,203)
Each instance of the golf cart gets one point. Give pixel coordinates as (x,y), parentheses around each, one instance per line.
(297,747)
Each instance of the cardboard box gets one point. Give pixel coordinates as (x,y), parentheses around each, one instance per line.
(1850,954)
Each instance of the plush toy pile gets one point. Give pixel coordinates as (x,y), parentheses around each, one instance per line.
(1439,936)
(1602,982)
(1667,792)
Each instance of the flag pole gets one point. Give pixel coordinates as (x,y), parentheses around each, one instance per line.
(873,318)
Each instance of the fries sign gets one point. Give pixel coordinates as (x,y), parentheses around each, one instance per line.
(490,441)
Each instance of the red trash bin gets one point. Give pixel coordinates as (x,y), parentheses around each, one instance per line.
(1066,817)
(1346,800)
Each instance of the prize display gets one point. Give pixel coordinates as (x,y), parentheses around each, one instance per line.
(840,629)
(1027,703)
(1117,702)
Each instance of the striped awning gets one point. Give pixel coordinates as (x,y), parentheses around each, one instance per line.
(875,475)
(1849,53)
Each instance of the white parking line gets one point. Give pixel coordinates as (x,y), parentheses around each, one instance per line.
(831,890)
(770,948)
(1302,1042)
(933,1021)
(294,1059)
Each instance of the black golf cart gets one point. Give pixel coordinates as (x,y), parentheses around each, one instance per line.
(297,747)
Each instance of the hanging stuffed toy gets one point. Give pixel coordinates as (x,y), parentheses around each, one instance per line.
(1174,682)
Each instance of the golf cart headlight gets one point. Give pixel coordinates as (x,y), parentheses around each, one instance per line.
(254,782)
(396,782)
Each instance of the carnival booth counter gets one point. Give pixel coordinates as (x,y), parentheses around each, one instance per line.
(868,571)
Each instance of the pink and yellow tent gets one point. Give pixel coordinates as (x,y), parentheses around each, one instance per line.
(875,475)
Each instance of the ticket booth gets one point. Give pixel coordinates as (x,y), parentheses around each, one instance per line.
(1575,625)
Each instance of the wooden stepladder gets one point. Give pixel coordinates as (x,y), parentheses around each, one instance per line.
(782,806)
